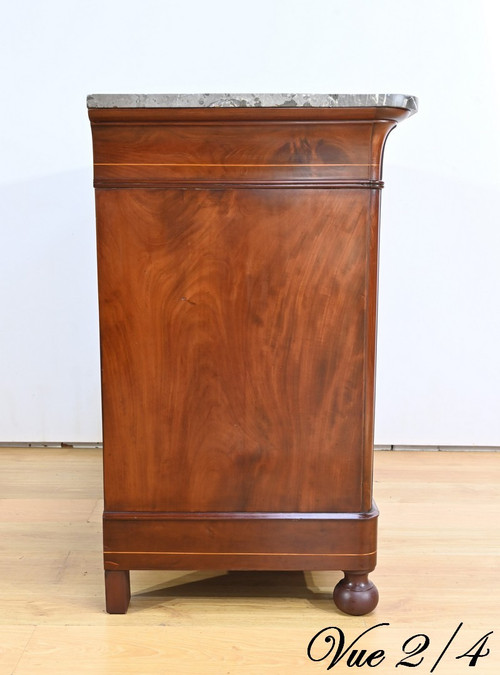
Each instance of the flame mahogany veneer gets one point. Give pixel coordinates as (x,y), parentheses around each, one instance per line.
(237,261)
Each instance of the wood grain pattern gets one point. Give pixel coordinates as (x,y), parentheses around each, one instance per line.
(248,348)
(237,257)
(265,152)
(346,541)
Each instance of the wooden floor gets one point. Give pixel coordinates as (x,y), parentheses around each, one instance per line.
(439,567)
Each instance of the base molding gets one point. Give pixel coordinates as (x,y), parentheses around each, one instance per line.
(240,541)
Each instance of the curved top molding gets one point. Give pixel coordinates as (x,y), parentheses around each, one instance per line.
(406,102)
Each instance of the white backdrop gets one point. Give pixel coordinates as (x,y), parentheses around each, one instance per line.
(439,318)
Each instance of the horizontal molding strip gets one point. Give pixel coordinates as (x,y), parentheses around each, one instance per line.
(236,515)
(116,183)
(90,445)
(207,116)
(232,122)
(238,553)
(265,165)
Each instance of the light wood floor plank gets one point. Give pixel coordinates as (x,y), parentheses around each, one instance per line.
(237,650)
(439,559)
(13,642)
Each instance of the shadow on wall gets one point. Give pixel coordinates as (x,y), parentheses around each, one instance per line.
(438,363)
(49,372)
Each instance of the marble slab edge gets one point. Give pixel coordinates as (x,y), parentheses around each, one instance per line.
(404,101)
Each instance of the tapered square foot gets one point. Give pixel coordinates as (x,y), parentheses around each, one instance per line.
(117,583)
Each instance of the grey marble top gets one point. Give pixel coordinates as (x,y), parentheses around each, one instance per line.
(252,101)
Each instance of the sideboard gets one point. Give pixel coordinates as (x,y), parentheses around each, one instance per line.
(237,240)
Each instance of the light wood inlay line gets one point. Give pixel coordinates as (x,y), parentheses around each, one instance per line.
(322,555)
(221,165)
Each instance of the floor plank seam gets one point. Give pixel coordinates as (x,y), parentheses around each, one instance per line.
(25,648)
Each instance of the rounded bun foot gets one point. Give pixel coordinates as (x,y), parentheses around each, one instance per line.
(355,594)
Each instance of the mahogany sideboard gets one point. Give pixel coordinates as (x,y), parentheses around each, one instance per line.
(237,240)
